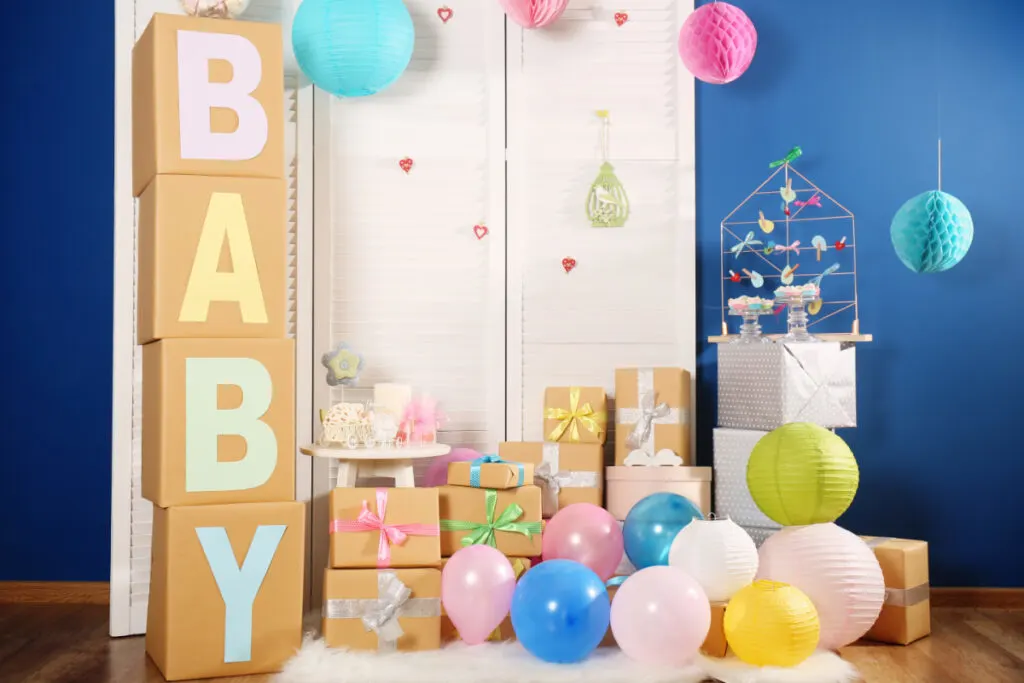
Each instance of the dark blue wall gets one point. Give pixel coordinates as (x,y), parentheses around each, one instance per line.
(56,283)
(864,87)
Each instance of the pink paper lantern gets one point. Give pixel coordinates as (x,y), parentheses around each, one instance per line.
(534,13)
(838,572)
(717,43)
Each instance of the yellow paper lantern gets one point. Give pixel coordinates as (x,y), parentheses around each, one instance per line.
(771,624)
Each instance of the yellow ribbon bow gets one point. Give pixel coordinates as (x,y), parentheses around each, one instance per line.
(569,420)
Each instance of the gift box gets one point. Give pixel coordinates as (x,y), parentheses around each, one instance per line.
(575,414)
(732,449)
(652,412)
(714,644)
(508,520)
(382,527)
(490,472)
(627,485)
(763,386)
(609,638)
(906,613)
(384,610)
(504,632)
(567,473)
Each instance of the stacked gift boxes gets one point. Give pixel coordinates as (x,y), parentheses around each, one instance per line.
(761,387)
(226,583)
(491,500)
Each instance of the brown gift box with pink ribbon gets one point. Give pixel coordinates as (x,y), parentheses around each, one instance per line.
(387,527)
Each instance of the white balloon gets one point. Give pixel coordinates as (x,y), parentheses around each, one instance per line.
(719,554)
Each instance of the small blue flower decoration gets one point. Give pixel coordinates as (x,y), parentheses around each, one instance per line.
(343,365)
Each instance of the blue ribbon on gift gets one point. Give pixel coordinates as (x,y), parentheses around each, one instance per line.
(474,469)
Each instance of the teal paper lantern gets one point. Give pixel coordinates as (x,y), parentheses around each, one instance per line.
(932,232)
(353,48)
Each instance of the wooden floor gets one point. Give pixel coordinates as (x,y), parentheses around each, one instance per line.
(69,644)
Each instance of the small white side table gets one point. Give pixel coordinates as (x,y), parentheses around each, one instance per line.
(395,463)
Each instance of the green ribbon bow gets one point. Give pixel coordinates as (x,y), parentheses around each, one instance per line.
(789,158)
(483,533)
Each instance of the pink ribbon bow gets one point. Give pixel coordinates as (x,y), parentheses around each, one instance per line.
(389,533)
(813,201)
(795,248)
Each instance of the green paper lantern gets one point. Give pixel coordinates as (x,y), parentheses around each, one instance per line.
(802,474)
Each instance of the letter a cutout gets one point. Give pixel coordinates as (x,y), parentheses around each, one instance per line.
(225,220)
(204,422)
(239,586)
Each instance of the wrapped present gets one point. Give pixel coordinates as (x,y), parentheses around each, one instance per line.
(763,386)
(906,613)
(508,520)
(504,632)
(627,485)
(575,414)
(384,528)
(652,412)
(732,449)
(567,473)
(715,644)
(490,472)
(383,610)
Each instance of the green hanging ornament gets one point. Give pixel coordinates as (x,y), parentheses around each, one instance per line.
(607,203)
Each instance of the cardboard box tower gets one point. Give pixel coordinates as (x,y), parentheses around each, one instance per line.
(218,453)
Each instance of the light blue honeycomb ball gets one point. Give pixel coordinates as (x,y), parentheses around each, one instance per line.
(932,232)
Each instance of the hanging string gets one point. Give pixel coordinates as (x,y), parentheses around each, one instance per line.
(605,136)
(940,164)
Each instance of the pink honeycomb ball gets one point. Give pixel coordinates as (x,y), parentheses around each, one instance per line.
(717,43)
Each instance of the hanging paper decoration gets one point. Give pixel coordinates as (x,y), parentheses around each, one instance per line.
(718,553)
(218,9)
(607,203)
(801,473)
(717,43)
(480,230)
(353,48)
(405,164)
(534,13)
(444,13)
(568,264)
(771,624)
(932,232)
(838,572)
(621,18)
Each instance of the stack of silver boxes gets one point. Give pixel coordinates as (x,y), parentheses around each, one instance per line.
(761,387)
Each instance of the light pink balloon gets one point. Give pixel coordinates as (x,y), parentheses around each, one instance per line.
(660,616)
(437,473)
(477,584)
(587,534)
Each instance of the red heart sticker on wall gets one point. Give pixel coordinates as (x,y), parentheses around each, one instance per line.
(405,164)
(568,263)
(621,18)
(445,13)
(480,231)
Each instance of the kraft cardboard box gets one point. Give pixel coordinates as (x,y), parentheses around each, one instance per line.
(906,614)
(512,525)
(218,421)
(226,589)
(212,258)
(207,99)
(412,510)
(662,395)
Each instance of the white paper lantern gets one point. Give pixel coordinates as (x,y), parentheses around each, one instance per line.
(719,554)
(838,572)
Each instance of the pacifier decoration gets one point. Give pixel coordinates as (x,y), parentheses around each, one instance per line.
(607,203)
(734,276)
(788,194)
(787,274)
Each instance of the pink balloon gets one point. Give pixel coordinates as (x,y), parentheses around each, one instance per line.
(477,584)
(437,473)
(660,616)
(587,534)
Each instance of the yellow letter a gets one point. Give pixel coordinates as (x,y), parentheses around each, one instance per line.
(225,219)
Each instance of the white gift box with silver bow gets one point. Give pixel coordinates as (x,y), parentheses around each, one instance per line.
(763,386)
(732,497)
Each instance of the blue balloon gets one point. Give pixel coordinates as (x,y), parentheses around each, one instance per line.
(652,525)
(560,611)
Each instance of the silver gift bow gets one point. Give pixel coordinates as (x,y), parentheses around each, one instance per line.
(380,615)
(901,597)
(553,479)
(648,414)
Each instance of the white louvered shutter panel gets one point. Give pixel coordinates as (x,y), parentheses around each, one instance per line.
(142,510)
(629,301)
(411,286)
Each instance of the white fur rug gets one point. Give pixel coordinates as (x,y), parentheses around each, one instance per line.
(510,663)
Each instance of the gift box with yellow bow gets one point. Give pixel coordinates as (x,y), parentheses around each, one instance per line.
(508,520)
(575,414)
(450,634)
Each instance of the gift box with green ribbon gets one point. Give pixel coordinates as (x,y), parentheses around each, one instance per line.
(508,520)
